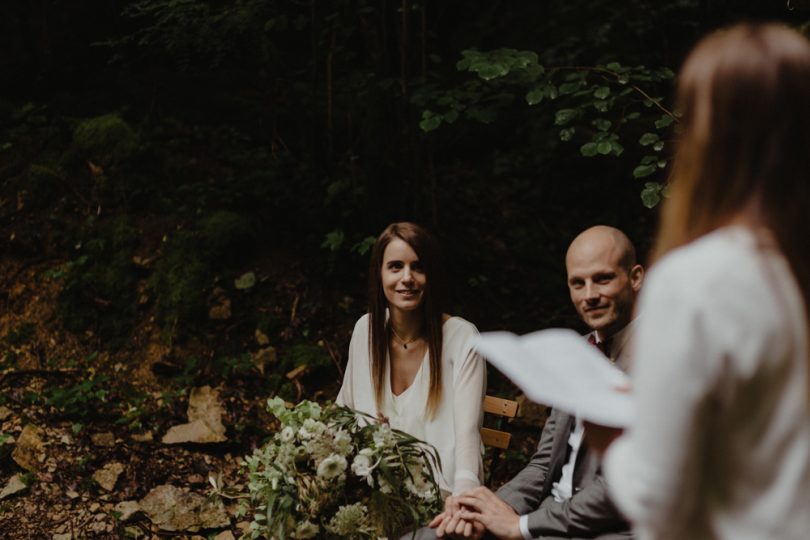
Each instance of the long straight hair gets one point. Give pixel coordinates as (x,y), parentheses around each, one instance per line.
(745,145)
(431,308)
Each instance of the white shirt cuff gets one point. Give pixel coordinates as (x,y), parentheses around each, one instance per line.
(524,527)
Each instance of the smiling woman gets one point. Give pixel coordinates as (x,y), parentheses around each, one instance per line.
(412,362)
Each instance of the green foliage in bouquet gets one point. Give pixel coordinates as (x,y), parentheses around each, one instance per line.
(331,472)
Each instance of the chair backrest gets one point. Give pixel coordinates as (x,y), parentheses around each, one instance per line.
(500,407)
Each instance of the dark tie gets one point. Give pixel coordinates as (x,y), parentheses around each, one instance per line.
(603,346)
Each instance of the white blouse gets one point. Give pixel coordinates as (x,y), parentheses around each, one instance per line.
(721,444)
(454,430)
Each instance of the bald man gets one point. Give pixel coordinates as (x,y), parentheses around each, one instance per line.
(561,493)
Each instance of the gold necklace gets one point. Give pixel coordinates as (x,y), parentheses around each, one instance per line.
(402,341)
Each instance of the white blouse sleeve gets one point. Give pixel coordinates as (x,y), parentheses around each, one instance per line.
(357,346)
(687,341)
(469,381)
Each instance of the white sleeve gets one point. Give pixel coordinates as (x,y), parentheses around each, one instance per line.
(469,381)
(686,342)
(345,396)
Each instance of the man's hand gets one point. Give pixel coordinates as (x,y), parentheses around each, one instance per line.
(450,524)
(484,507)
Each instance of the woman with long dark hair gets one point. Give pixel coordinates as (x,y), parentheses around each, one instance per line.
(721,444)
(413,363)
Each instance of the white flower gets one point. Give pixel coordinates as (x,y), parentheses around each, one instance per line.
(383,437)
(343,442)
(306,529)
(362,467)
(287,434)
(350,520)
(332,466)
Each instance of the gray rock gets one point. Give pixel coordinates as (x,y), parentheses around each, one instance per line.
(172,509)
(30,450)
(14,485)
(107,476)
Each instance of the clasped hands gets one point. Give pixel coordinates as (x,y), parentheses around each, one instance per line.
(469,515)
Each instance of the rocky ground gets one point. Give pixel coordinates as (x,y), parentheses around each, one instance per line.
(130,444)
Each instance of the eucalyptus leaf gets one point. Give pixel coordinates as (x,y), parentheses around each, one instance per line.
(602,92)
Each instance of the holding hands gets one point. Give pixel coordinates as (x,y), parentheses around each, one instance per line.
(471,514)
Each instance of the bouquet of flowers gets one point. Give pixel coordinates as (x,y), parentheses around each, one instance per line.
(331,472)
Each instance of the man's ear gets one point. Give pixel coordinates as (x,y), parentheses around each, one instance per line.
(636,277)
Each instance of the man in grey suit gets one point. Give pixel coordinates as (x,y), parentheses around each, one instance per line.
(561,492)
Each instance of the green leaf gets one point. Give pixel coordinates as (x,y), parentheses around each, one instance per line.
(364,246)
(604,148)
(623,78)
(661,163)
(602,124)
(648,138)
(553,92)
(563,116)
(333,240)
(617,149)
(651,194)
(643,170)
(245,281)
(658,146)
(429,121)
(588,149)
(450,116)
(602,92)
(569,87)
(614,66)
(535,96)
(567,133)
(665,121)
(646,160)
(633,115)
(601,106)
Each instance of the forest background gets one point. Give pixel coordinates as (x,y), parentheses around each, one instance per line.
(189,189)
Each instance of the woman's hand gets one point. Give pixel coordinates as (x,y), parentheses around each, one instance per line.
(483,507)
(450,524)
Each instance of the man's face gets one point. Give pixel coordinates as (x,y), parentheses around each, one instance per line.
(603,292)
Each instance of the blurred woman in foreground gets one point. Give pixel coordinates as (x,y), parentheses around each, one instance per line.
(721,445)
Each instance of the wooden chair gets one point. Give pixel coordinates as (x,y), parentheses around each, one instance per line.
(495,438)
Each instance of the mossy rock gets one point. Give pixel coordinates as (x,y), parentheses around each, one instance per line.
(100,285)
(180,281)
(227,235)
(44,184)
(106,140)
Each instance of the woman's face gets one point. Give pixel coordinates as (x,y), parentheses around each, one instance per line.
(402,276)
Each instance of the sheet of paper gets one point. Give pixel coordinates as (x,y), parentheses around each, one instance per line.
(559,368)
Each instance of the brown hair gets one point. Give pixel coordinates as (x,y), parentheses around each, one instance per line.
(745,98)
(432,307)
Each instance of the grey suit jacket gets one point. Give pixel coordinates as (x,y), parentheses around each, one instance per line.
(589,513)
